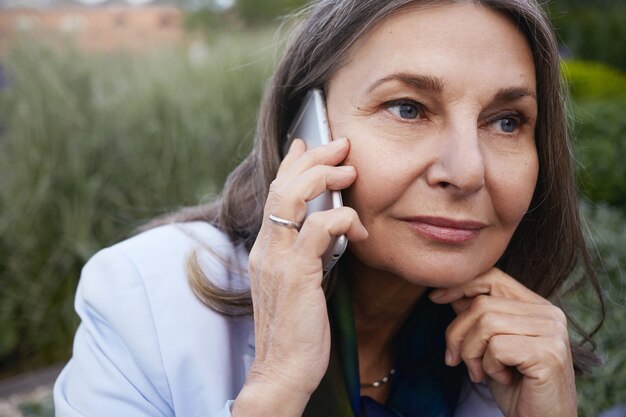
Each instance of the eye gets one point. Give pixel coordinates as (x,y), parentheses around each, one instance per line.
(508,123)
(405,109)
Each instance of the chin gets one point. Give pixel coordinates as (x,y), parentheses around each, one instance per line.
(448,279)
(437,269)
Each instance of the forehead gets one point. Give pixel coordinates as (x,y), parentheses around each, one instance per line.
(443,41)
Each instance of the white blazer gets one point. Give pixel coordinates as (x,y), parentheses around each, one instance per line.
(147,347)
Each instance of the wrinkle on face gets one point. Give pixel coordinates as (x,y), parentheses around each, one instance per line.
(467,65)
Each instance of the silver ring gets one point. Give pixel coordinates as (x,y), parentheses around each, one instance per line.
(285,223)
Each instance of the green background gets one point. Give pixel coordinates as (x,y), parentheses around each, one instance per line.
(92,146)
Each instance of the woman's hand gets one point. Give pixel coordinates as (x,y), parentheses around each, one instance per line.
(290,317)
(515,338)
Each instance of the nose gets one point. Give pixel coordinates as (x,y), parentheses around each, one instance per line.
(459,163)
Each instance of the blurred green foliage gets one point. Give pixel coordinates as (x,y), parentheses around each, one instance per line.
(606,228)
(41,408)
(598,105)
(91,147)
(588,29)
(259,11)
(211,23)
(592,30)
(244,13)
(595,81)
(598,108)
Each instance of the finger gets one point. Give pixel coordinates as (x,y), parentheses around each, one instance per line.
(495,368)
(296,149)
(287,199)
(485,309)
(489,325)
(320,228)
(493,282)
(546,369)
(541,359)
(330,154)
(461,304)
(320,178)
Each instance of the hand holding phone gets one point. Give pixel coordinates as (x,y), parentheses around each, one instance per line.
(311,125)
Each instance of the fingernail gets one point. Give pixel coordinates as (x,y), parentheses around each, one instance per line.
(339,142)
(472,376)
(291,145)
(347,168)
(477,377)
(436,295)
(448,357)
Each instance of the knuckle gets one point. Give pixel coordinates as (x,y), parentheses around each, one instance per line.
(451,333)
(316,219)
(558,354)
(466,354)
(496,344)
(481,303)
(558,327)
(274,186)
(274,195)
(321,170)
(351,212)
(487,322)
(279,196)
(311,156)
(490,367)
(559,315)
(348,216)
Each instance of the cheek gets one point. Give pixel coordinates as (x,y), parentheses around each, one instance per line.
(381,178)
(366,194)
(513,185)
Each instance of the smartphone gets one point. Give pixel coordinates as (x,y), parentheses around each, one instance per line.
(311,125)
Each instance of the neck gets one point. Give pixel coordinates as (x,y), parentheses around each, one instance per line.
(381,303)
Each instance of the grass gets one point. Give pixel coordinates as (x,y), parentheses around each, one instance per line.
(92,146)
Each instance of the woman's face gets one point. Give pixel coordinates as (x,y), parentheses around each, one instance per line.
(440,106)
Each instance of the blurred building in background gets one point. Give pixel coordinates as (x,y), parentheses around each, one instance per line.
(93,25)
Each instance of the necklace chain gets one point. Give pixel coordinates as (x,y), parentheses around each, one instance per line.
(379,382)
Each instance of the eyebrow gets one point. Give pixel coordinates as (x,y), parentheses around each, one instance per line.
(513,93)
(419,82)
(425,82)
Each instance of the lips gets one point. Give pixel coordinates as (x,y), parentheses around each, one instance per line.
(446,230)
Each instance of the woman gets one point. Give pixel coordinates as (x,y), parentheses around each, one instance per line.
(452,155)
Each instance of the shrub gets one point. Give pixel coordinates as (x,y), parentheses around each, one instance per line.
(594,80)
(598,109)
(92,146)
(592,30)
(598,106)
(601,151)
(606,228)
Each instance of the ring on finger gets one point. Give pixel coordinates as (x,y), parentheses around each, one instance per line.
(285,223)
